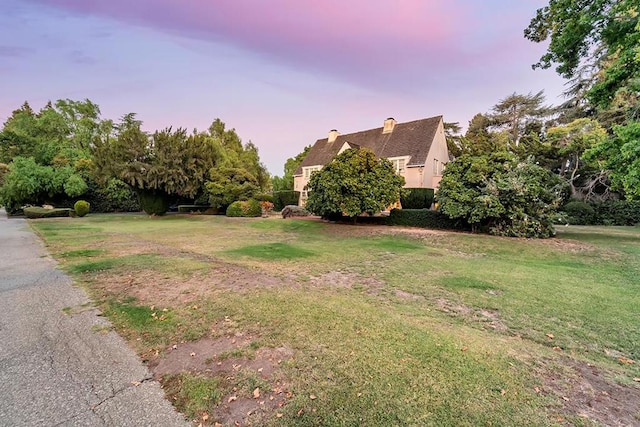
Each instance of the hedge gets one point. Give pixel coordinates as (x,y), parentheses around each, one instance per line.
(285,198)
(612,212)
(417,198)
(193,208)
(423,218)
(37,212)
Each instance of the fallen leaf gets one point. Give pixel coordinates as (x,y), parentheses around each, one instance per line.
(193,354)
(205,416)
(465,348)
(626,361)
(637,380)
(135,383)
(312,397)
(232,398)
(175,347)
(537,389)
(256,393)
(279,415)
(300,412)
(550,336)
(557,348)
(217,425)
(503,392)
(259,369)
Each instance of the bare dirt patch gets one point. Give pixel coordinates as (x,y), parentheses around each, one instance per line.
(348,280)
(233,360)
(489,319)
(589,393)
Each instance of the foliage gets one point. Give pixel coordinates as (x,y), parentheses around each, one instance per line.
(30,183)
(285,183)
(35,212)
(267,208)
(417,198)
(617,212)
(501,194)
(423,218)
(602,36)
(81,208)
(579,212)
(290,211)
(154,202)
(228,184)
(244,208)
(355,182)
(518,115)
(285,198)
(621,155)
(114,196)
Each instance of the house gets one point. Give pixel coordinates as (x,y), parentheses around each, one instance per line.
(417,149)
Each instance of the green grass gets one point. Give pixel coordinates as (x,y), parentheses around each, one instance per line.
(193,394)
(385,329)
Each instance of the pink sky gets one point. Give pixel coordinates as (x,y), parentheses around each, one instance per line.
(282,72)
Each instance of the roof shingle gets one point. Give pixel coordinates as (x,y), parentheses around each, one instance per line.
(412,139)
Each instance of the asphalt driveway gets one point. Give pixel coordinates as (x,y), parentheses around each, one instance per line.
(58,367)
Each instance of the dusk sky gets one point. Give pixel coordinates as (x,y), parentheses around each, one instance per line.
(281,72)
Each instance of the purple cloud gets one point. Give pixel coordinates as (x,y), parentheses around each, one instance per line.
(14,51)
(379,44)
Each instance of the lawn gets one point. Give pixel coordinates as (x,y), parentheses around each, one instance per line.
(304,323)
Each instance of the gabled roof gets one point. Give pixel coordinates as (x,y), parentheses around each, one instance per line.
(412,139)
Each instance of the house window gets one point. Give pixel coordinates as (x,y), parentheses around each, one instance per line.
(435,167)
(399,164)
(306,172)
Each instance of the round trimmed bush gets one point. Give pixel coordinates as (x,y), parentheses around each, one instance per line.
(245,208)
(81,207)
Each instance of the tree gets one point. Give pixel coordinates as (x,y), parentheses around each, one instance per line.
(517,114)
(228,184)
(501,194)
(285,183)
(621,155)
(568,143)
(602,35)
(355,182)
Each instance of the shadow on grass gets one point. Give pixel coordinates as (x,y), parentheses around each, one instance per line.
(273,251)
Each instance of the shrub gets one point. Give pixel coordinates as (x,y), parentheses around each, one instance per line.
(193,208)
(153,202)
(423,218)
(267,207)
(264,198)
(244,208)
(294,210)
(579,213)
(417,198)
(285,198)
(116,196)
(37,212)
(81,207)
(617,212)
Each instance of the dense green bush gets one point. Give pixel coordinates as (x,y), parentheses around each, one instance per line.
(245,208)
(154,203)
(115,196)
(81,207)
(617,212)
(285,198)
(37,212)
(264,198)
(417,198)
(579,213)
(423,218)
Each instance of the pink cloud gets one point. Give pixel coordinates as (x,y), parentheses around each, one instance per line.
(360,40)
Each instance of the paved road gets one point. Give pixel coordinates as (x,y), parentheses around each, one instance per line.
(56,369)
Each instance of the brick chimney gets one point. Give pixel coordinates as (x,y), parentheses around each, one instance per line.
(333,135)
(389,124)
